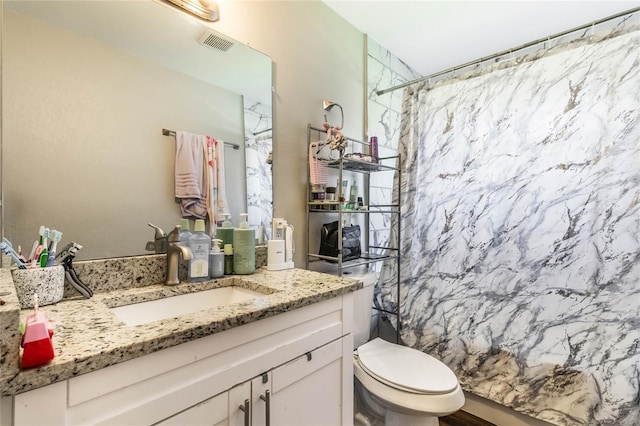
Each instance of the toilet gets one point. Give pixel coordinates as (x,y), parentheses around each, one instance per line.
(396,385)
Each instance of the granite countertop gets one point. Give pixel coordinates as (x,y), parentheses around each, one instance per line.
(89,337)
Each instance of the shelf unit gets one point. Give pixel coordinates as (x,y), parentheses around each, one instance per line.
(345,166)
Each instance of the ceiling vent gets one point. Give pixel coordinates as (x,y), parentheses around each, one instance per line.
(216,42)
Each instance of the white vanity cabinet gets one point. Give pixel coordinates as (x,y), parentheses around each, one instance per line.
(293,368)
(301,392)
(305,391)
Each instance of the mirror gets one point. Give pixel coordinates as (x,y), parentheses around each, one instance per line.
(88,87)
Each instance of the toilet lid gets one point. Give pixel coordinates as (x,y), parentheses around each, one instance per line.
(406,367)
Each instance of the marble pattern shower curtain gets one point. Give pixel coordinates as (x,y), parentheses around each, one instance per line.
(521,230)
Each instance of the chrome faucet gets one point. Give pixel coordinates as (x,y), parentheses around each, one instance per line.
(175,249)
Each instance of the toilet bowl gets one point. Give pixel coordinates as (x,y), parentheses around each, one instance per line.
(395,384)
(403,386)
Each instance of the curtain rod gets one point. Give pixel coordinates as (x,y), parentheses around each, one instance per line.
(504,52)
(167,132)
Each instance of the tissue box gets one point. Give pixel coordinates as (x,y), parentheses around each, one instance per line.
(47,282)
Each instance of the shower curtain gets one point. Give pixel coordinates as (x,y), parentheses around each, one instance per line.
(521,230)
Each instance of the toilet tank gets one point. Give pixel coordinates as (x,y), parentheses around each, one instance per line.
(362,301)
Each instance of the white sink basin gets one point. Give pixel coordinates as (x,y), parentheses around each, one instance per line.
(175,306)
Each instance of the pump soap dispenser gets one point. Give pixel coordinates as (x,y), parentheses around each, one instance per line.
(225,232)
(244,247)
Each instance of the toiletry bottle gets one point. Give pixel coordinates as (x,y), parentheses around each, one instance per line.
(244,248)
(373,149)
(216,259)
(185,232)
(342,197)
(225,232)
(353,192)
(200,244)
(228,259)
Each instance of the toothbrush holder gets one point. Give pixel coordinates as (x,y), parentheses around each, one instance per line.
(47,282)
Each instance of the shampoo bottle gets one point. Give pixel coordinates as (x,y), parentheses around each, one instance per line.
(244,248)
(225,232)
(216,260)
(200,244)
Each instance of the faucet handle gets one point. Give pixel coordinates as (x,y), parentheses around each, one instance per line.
(159,244)
(174,236)
(159,232)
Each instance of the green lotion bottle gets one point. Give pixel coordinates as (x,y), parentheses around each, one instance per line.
(225,232)
(244,247)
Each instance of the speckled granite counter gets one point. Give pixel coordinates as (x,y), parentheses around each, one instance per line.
(89,337)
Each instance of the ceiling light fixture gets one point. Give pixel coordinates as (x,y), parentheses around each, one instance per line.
(203,9)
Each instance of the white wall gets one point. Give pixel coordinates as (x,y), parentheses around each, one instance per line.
(316,55)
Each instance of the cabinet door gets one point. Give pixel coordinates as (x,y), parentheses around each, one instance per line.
(261,400)
(220,410)
(240,405)
(308,390)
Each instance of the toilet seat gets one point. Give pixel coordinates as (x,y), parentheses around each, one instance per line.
(402,401)
(405,369)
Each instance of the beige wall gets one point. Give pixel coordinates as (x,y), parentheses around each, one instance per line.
(83,149)
(316,55)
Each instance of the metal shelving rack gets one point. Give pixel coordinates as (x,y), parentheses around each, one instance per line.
(354,165)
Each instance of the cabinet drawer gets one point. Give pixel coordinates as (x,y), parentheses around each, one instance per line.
(306,364)
(213,411)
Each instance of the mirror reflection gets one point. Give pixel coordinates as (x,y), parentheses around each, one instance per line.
(87,88)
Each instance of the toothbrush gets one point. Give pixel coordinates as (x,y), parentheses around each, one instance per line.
(5,247)
(36,255)
(44,254)
(56,236)
(33,251)
(20,255)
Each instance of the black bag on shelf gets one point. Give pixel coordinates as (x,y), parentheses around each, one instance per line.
(350,241)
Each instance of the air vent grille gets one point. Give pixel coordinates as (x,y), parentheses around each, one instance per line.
(216,42)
